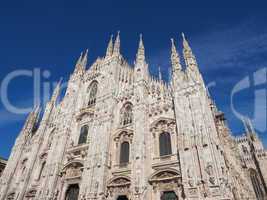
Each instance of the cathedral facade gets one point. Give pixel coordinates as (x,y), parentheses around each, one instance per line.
(121,134)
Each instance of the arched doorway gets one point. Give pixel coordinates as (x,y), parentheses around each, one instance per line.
(169,195)
(72,192)
(123,197)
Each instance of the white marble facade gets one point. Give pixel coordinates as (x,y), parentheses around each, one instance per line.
(120,133)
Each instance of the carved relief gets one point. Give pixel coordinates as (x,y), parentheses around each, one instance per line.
(72,170)
(166,180)
(11,196)
(210,171)
(31,193)
(118,186)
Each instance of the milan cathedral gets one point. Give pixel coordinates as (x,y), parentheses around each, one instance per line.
(121,134)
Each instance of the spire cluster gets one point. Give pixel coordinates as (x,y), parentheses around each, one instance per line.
(191,71)
(113,49)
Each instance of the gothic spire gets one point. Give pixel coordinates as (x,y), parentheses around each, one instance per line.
(191,63)
(79,67)
(187,48)
(175,60)
(141,67)
(110,47)
(32,118)
(56,92)
(140,57)
(84,60)
(116,50)
(189,57)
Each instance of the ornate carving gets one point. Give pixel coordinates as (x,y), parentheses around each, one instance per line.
(73,170)
(119,185)
(31,193)
(165,180)
(11,196)
(125,134)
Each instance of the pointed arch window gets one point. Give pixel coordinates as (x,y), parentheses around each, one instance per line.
(127,114)
(256,184)
(83,135)
(124,153)
(92,93)
(165,146)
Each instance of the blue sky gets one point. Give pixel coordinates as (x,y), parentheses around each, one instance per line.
(229,39)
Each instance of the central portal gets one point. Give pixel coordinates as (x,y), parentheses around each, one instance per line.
(123,197)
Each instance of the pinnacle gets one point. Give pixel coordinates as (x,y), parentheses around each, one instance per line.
(116,49)
(109,50)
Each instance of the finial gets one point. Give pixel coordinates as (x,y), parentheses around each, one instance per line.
(116,49)
(110,47)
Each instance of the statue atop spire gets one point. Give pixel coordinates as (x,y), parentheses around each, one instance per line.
(140,57)
(110,47)
(175,59)
(116,50)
